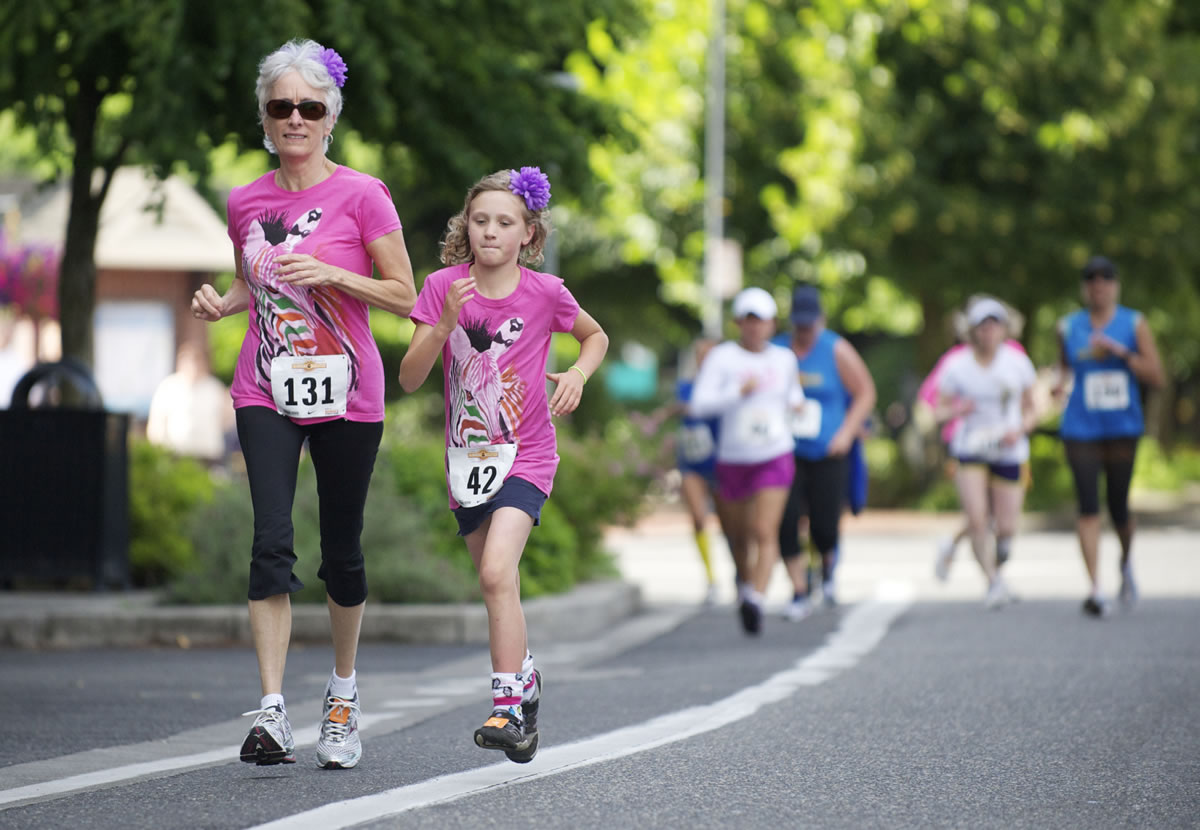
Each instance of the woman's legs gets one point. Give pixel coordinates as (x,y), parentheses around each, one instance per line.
(764,512)
(696,496)
(972,483)
(1007,500)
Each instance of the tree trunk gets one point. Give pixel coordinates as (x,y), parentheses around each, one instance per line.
(77,273)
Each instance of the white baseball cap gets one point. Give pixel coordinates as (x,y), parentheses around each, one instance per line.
(984,308)
(754,301)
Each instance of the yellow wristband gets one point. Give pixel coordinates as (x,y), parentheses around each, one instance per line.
(580,371)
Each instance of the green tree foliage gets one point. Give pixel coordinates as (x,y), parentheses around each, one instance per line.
(448,91)
(1005,142)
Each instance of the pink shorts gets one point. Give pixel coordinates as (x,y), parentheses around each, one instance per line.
(738,481)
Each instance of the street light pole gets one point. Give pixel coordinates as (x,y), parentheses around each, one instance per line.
(714,173)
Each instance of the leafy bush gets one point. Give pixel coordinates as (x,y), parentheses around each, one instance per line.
(402,565)
(164,490)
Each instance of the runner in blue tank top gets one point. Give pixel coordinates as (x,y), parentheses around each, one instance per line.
(1110,351)
(839,394)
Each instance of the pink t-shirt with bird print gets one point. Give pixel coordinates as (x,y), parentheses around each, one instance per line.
(333,221)
(494,365)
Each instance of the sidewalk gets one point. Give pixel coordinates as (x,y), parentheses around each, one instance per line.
(658,563)
(47,619)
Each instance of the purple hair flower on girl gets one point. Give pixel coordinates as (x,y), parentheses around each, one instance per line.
(532,185)
(335,66)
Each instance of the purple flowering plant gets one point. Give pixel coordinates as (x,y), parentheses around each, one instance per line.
(335,65)
(532,185)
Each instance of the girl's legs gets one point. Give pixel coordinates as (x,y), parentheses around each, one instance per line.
(496,547)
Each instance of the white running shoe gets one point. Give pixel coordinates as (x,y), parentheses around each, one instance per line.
(270,738)
(710,595)
(339,746)
(797,609)
(945,553)
(997,595)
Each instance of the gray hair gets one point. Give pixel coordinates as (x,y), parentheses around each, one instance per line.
(304,57)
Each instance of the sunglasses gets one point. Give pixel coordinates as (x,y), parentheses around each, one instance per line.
(309,110)
(1102,275)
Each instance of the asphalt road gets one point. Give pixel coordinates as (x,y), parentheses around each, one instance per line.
(908,705)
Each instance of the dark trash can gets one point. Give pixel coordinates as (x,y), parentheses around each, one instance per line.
(64,483)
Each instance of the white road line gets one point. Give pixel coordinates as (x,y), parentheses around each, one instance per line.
(861,630)
(104,767)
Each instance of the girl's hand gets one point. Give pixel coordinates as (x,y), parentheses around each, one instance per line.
(749,384)
(963,406)
(568,391)
(207,304)
(460,293)
(305,270)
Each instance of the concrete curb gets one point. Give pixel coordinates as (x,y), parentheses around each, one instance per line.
(46,620)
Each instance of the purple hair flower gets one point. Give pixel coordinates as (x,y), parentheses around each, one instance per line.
(532,185)
(335,66)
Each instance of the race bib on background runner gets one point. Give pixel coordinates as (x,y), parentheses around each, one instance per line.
(310,386)
(986,443)
(477,473)
(1106,390)
(760,425)
(806,422)
(696,443)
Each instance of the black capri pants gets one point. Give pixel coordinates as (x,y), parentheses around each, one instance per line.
(1115,456)
(343,455)
(818,491)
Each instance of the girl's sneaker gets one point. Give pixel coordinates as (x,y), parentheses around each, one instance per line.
(504,729)
(530,710)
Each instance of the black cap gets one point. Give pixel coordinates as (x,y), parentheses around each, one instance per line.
(1100,265)
(806,304)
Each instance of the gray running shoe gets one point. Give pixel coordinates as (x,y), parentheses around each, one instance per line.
(270,738)
(339,746)
(1129,591)
(529,709)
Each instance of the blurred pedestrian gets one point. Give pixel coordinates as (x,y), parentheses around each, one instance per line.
(928,395)
(839,395)
(491,318)
(1110,352)
(191,410)
(990,387)
(308,236)
(696,460)
(753,386)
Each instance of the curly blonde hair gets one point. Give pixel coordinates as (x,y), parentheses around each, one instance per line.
(456,244)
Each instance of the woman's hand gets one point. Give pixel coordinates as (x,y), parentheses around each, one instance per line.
(306,270)
(207,304)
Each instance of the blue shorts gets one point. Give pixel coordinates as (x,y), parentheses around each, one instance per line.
(515,492)
(1007,472)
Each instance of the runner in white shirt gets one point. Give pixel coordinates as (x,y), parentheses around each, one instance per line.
(991,388)
(754,387)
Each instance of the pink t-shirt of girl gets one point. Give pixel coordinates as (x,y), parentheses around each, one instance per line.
(333,221)
(494,365)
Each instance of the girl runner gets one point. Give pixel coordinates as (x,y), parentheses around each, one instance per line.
(490,318)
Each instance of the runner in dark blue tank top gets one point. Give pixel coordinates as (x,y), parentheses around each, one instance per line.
(839,394)
(1110,351)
